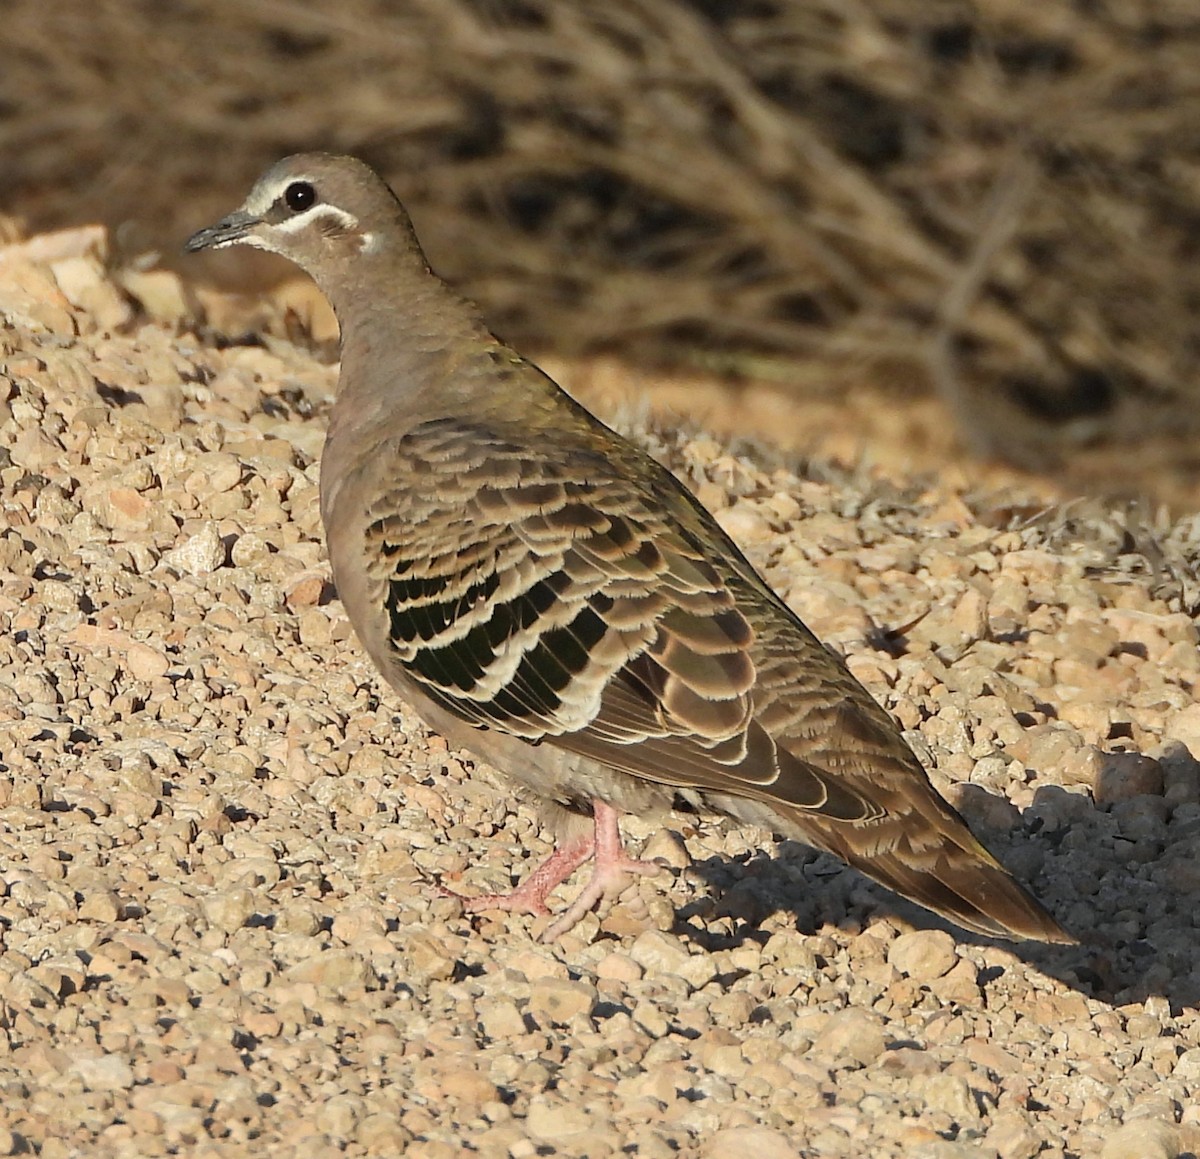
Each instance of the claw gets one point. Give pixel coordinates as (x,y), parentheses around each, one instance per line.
(612,876)
(530,896)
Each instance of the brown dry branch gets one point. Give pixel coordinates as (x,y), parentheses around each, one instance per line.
(994,199)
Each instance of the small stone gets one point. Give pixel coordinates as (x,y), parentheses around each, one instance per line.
(230,910)
(336,969)
(756,1142)
(43,1061)
(163,403)
(1013,1136)
(619,968)
(651,1019)
(666,846)
(987,810)
(339,1115)
(262,1023)
(1184,727)
(950,1094)
(936,1148)
(909,1061)
(118,507)
(1125,775)
(199,554)
(1142,1139)
(725,1060)
(303,592)
(145,662)
(429,957)
(961,984)
(100,905)
(380,1134)
(34,450)
(59,978)
(30,300)
(1181,774)
(297,919)
(248,550)
(77,242)
(658,953)
(58,596)
(556,1121)
(106,1073)
(357,924)
(743,524)
(697,970)
(923,954)
(158,292)
(83,282)
(418,1149)
(500,1019)
(558,1000)
(469,1086)
(969,620)
(214,473)
(1142,817)
(1057,808)
(534,964)
(853,1035)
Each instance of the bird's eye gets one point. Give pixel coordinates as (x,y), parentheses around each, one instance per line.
(299,196)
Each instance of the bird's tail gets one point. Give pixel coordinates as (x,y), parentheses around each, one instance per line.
(931,857)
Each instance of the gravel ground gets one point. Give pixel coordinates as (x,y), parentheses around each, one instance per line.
(219,833)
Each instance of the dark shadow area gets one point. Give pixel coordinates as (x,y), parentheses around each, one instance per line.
(1134,920)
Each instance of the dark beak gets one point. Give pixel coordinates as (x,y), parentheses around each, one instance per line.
(228,231)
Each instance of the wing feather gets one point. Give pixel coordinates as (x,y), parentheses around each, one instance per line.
(559,602)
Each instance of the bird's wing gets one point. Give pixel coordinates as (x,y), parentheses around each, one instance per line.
(572,602)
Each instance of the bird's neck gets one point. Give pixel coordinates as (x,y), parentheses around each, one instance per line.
(413,350)
(400,313)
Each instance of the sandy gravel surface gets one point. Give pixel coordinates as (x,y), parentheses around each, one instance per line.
(219,833)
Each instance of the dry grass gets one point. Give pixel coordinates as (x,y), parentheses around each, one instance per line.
(998,202)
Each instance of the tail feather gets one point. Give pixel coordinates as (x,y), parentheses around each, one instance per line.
(934,861)
(976,892)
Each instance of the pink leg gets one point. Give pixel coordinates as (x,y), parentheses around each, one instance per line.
(530,896)
(611,876)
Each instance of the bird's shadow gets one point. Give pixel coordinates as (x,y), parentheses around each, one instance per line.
(1124,900)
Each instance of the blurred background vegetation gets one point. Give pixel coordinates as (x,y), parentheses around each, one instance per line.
(989,209)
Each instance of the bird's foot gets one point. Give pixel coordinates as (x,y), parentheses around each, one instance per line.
(611,878)
(614,869)
(530,896)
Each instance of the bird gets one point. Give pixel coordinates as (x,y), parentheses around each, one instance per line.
(550,598)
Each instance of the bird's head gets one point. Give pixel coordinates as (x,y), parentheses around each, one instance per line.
(312,208)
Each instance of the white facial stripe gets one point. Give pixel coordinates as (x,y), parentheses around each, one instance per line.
(244,239)
(260,199)
(303,220)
